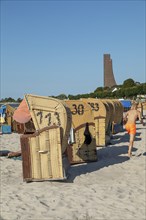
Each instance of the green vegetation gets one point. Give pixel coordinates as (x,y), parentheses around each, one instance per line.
(128,83)
(130,89)
(10,100)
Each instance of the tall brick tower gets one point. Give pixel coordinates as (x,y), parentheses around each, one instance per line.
(109,79)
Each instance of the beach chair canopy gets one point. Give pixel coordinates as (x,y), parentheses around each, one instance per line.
(2,109)
(126,103)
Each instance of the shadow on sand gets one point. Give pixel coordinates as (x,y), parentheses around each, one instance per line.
(124,138)
(107,156)
(1,218)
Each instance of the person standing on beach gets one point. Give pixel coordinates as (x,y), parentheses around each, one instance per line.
(130,118)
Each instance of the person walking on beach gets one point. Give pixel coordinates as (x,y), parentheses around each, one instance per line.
(130,117)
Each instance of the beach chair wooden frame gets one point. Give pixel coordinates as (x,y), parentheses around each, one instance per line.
(78,150)
(47,111)
(100,118)
(42,157)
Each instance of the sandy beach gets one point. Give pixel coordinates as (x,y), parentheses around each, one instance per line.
(113,188)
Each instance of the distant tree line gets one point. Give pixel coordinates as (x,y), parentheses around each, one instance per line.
(129,89)
(11,100)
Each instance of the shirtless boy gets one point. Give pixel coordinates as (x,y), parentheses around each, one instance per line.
(131,116)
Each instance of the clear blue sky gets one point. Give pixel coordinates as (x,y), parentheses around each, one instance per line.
(54,47)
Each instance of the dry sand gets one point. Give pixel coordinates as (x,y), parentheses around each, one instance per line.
(113,188)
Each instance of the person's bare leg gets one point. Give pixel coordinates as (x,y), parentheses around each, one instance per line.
(131,141)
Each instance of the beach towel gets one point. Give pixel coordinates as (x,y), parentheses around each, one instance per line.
(22,114)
